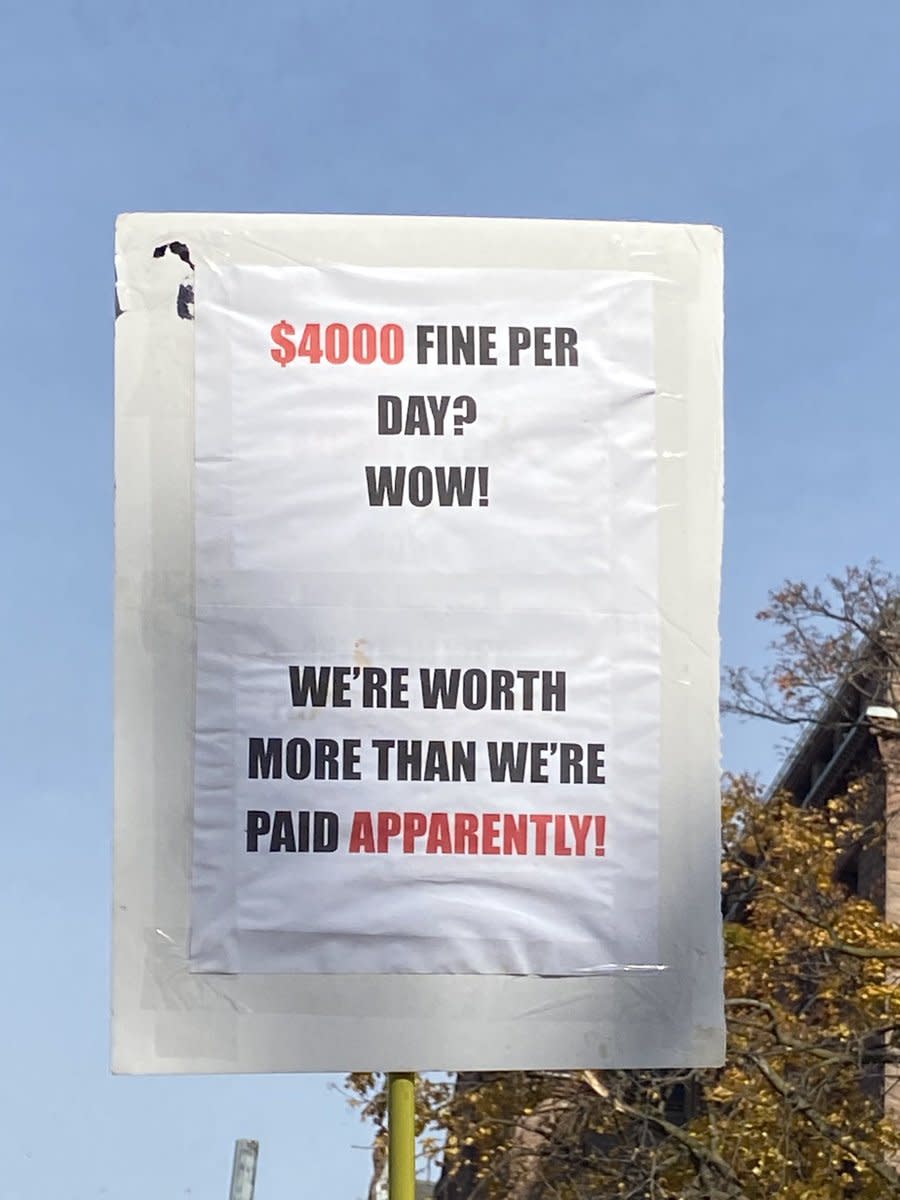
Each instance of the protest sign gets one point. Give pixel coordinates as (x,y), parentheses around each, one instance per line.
(436,506)
(427,621)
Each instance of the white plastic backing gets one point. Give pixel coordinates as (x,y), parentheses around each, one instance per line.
(167,1020)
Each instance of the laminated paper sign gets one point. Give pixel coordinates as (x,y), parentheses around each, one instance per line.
(427,649)
(427,605)
(418,530)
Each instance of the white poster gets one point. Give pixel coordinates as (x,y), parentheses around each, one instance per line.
(428,635)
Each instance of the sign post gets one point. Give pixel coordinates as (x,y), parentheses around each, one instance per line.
(243,1170)
(401,1135)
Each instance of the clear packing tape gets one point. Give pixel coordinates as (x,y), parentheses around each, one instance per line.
(168,1018)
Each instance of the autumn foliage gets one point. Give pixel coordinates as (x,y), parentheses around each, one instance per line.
(805,1106)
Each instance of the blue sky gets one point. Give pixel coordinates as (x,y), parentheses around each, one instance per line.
(777,121)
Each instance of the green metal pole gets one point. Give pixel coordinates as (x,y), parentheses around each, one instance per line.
(402,1136)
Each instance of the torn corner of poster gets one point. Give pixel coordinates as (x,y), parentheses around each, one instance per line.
(427,618)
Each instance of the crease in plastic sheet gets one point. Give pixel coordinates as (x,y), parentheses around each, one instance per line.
(667,1015)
